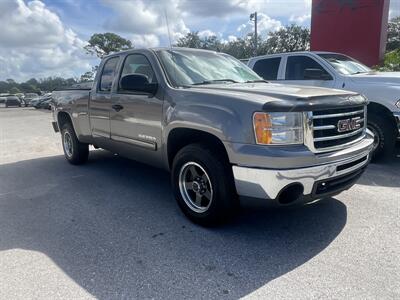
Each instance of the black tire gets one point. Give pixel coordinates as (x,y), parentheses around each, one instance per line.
(224,201)
(75,152)
(385,137)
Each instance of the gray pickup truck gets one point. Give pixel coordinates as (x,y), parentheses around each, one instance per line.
(219,128)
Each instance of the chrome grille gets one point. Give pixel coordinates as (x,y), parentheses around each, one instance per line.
(333,129)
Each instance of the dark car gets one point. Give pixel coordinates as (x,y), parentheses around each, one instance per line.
(29,97)
(13,101)
(44,103)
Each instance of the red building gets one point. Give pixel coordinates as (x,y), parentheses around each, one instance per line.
(357,28)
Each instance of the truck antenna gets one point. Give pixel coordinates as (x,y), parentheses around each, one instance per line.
(169,33)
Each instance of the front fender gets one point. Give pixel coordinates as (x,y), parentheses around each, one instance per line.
(224,123)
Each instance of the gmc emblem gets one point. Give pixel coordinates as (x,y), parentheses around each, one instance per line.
(349,124)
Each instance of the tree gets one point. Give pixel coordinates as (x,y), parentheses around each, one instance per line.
(28,88)
(393,37)
(14,90)
(102,44)
(240,48)
(190,40)
(391,62)
(288,39)
(87,77)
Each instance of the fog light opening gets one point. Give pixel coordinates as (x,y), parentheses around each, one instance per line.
(290,193)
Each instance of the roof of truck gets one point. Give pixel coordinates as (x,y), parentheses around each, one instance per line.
(292,53)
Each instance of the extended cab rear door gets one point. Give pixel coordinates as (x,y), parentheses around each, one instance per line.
(100,100)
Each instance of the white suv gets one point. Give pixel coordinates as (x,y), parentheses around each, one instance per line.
(333,70)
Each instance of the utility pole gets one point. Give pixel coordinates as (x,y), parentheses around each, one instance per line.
(253,17)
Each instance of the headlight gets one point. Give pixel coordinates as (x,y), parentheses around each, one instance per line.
(398,104)
(278,128)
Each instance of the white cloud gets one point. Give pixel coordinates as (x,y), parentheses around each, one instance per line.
(35,43)
(232,38)
(206,33)
(300,20)
(212,8)
(145,40)
(147,17)
(394,11)
(265,25)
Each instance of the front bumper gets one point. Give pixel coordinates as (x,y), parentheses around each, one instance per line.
(316,181)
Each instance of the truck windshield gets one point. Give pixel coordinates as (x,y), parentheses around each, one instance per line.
(192,67)
(344,64)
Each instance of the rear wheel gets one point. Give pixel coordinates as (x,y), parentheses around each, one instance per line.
(75,152)
(384,137)
(203,185)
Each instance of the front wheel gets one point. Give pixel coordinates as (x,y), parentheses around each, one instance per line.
(203,185)
(384,137)
(75,152)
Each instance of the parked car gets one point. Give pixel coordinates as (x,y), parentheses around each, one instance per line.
(35,101)
(13,101)
(3,99)
(43,103)
(334,70)
(29,97)
(219,128)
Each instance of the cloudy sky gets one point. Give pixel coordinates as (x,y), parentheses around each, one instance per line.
(42,38)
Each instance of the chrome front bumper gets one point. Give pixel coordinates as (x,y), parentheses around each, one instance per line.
(268,183)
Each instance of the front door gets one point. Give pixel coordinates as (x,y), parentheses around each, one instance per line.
(295,72)
(136,116)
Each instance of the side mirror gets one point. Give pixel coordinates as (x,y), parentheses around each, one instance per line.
(316,74)
(137,83)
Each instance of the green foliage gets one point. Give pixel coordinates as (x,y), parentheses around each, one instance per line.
(35,86)
(288,39)
(190,40)
(102,44)
(391,61)
(393,38)
(14,90)
(87,77)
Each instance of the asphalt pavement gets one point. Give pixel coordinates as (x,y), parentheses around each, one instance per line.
(110,229)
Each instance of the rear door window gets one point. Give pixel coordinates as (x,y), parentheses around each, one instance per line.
(268,68)
(108,74)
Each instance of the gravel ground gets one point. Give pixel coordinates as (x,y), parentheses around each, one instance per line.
(110,229)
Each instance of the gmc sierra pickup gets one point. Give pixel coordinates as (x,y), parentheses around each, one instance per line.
(219,128)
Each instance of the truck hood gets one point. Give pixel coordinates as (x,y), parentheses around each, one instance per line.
(278,97)
(389,78)
(273,90)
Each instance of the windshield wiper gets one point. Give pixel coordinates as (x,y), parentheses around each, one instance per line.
(359,72)
(214,81)
(255,81)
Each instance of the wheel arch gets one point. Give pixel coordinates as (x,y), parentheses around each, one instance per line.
(180,137)
(381,110)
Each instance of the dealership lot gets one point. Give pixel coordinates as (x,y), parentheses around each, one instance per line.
(111,229)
